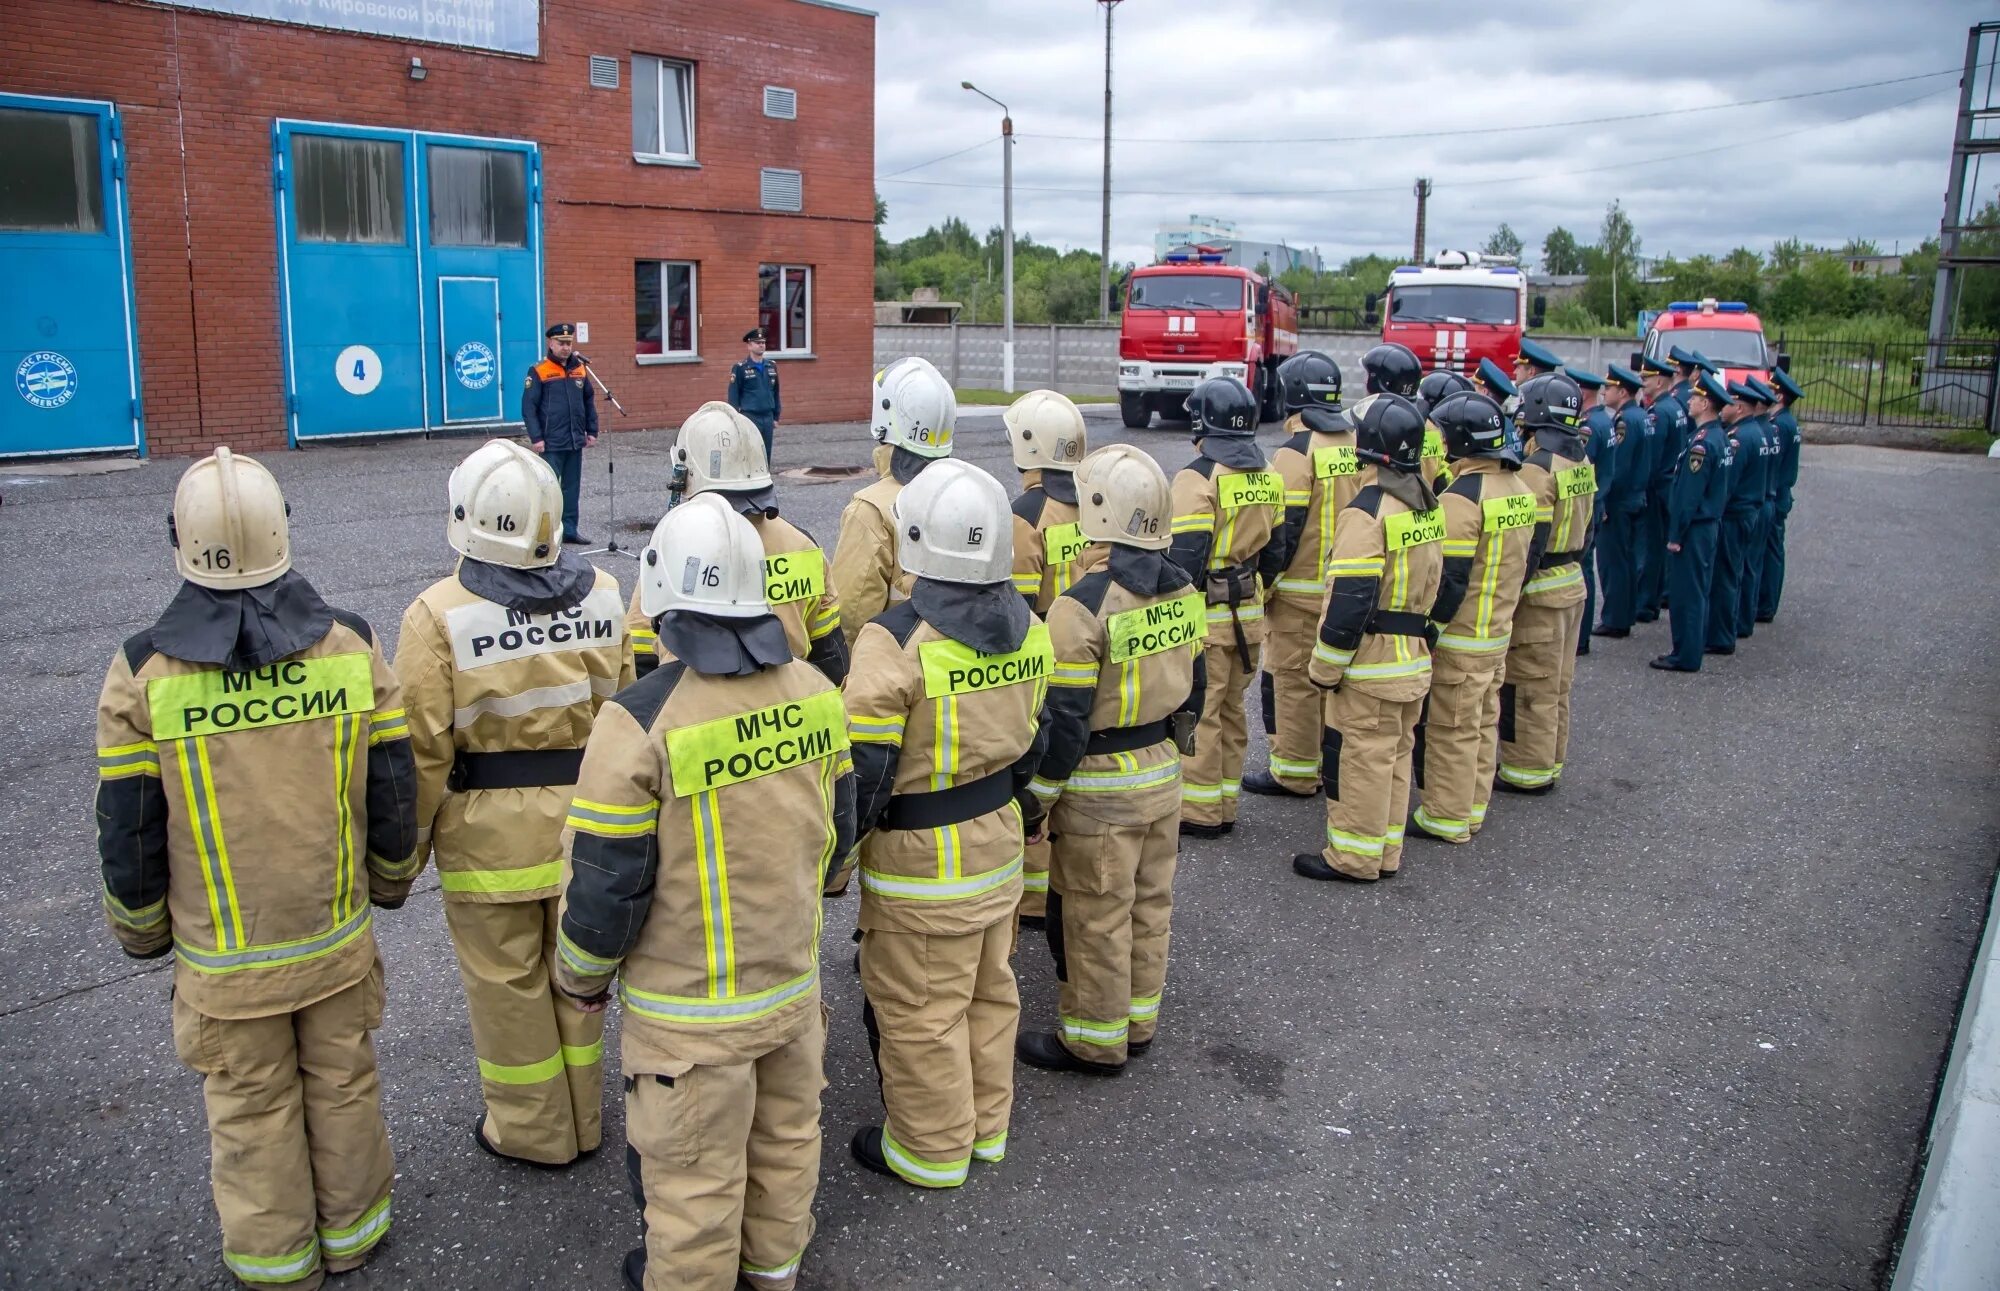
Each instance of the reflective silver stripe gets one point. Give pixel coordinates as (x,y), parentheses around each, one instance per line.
(345,1241)
(286,952)
(208,835)
(1115,781)
(616,817)
(526,701)
(346,730)
(681,1008)
(720,937)
(900,885)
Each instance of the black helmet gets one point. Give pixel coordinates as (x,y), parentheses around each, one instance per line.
(1310,379)
(1437,387)
(1472,426)
(1392,369)
(1223,406)
(1550,401)
(1390,432)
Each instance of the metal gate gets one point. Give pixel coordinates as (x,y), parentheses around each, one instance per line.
(1930,385)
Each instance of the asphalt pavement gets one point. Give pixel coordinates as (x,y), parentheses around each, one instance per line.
(1675,1025)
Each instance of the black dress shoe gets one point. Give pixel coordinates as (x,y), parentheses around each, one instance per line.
(1042,1049)
(1267,785)
(1665,663)
(1615,633)
(1311,865)
(635,1269)
(866,1148)
(1718,649)
(576,540)
(1193,829)
(1583,649)
(1767,618)
(1646,616)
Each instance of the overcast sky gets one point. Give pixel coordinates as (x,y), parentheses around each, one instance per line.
(1867,163)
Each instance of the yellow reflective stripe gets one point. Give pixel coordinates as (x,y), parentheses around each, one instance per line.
(1309,585)
(1128,693)
(529,1073)
(1246,612)
(1073,674)
(608,820)
(360,1235)
(1527,777)
(275,954)
(1555,578)
(1027,583)
(1328,655)
(142,758)
(990,1149)
(346,729)
(1200,522)
(1357,567)
(1463,644)
(1090,1031)
(910,888)
(1359,844)
(944,750)
(583,1055)
(776,1272)
(736,1008)
(1034,880)
(927,1174)
(1461,547)
(645,642)
(874,730)
(389,724)
(198,781)
(1298,497)
(1125,779)
(140,920)
(1443,825)
(1392,668)
(295,1267)
(1047,790)
(823,619)
(1145,1007)
(1192,792)
(1296,768)
(581,960)
(718,938)
(525,879)
(950,851)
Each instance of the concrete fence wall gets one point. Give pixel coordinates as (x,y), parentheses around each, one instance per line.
(1082,358)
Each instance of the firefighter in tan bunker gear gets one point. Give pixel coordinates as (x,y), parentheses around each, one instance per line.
(943,707)
(1322,475)
(1373,651)
(255,798)
(1541,662)
(1128,670)
(714,799)
(1228,536)
(504,667)
(723,452)
(1046,432)
(913,416)
(1490,544)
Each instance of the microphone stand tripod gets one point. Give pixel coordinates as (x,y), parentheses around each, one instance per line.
(610,547)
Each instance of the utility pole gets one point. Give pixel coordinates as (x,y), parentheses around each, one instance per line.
(1423,192)
(1104,245)
(1006,234)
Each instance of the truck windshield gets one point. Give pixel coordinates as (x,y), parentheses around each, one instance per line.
(1186,291)
(1732,349)
(1452,303)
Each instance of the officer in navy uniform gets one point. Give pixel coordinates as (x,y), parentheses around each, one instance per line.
(1761,399)
(1741,514)
(1491,380)
(1670,432)
(1694,515)
(1785,470)
(1596,432)
(559,409)
(1534,360)
(1624,496)
(753,388)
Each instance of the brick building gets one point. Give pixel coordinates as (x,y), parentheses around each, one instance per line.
(232,228)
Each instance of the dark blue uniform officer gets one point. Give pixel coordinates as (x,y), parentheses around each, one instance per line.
(1785,470)
(1597,445)
(1670,431)
(559,409)
(1618,551)
(1695,505)
(1535,360)
(1739,520)
(753,388)
(1761,399)
(1491,380)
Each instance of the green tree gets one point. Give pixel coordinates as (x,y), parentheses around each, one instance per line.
(1561,254)
(1788,256)
(1504,242)
(1860,247)
(1613,290)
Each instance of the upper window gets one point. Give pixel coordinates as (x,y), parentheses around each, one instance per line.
(52,182)
(664,307)
(784,306)
(479,197)
(348,190)
(662,108)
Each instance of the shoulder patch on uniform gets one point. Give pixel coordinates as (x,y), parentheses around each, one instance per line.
(139,648)
(900,620)
(645,697)
(1030,505)
(1300,443)
(1368,500)
(1471,487)
(356,623)
(1090,590)
(531,381)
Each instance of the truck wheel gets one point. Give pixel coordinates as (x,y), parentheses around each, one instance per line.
(1132,407)
(1270,404)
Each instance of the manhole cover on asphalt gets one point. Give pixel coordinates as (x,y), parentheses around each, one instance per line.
(823,474)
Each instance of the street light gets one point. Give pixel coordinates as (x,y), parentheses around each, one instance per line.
(1007,232)
(1104,250)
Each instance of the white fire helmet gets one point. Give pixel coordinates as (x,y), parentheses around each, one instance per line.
(703,556)
(914,408)
(1122,496)
(1046,432)
(230,525)
(506,507)
(722,449)
(953,525)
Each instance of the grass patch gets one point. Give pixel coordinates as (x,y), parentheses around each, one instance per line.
(1967,440)
(1002,398)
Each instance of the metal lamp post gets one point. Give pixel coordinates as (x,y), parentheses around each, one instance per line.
(1006,231)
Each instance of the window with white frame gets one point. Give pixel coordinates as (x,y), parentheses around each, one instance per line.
(662,108)
(784,307)
(665,307)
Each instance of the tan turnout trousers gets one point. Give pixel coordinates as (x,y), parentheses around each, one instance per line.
(698,1139)
(301,1161)
(1114,888)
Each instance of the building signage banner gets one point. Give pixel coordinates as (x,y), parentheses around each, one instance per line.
(508,26)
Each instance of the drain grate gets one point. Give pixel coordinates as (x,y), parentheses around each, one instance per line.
(823,474)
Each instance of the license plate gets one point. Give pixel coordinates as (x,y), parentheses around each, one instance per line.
(1178,383)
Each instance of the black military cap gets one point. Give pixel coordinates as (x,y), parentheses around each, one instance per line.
(1625,377)
(1654,364)
(754,334)
(1709,387)
(561,332)
(1587,379)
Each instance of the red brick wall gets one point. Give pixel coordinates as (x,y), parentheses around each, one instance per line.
(211,364)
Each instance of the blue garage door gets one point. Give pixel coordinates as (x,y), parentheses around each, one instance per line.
(69,363)
(412,278)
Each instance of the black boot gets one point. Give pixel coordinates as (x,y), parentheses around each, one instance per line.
(1665,663)
(1192,829)
(1266,784)
(635,1269)
(1042,1049)
(1601,631)
(1311,865)
(866,1148)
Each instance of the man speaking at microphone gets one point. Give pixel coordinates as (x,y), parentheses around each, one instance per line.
(559,409)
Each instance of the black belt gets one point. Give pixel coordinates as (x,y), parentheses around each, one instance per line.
(1550,559)
(1125,739)
(526,769)
(952,806)
(1399,623)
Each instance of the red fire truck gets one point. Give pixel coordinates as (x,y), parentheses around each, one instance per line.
(1192,317)
(1460,308)
(1723,330)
